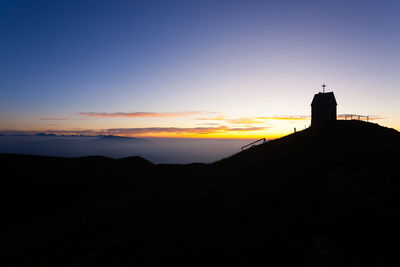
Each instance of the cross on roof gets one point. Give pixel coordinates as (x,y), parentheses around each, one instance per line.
(323,87)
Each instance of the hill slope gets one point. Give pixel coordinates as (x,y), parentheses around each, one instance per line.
(318,197)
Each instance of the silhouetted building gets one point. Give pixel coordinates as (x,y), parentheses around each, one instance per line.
(323,108)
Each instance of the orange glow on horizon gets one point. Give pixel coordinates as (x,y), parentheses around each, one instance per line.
(225,135)
(219,133)
(246,127)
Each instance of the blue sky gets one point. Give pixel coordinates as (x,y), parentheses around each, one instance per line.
(221,59)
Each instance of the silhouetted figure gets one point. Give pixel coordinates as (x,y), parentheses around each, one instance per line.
(323,108)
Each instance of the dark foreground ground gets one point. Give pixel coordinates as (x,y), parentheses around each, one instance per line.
(320,197)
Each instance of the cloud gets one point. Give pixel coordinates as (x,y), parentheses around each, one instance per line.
(255,120)
(260,120)
(138,131)
(53,119)
(139,114)
(244,121)
(177,130)
(218,118)
(241,120)
(209,123)
(248,129)
(290,118)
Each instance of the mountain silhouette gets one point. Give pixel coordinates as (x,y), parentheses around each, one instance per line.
(325,196)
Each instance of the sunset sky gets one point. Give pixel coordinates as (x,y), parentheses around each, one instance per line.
(229,69)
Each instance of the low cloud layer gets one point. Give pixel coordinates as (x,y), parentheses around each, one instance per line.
(289,118)
(138,131)
(139,114)
(53,119)
(261,120)
(255,120)
(246,129)
(157,150)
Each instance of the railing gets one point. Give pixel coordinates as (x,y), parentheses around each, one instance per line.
(357,117)
(253,144)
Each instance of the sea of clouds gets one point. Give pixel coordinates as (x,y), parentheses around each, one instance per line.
(156,150)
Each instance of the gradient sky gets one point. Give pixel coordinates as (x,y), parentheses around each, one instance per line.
(194,68)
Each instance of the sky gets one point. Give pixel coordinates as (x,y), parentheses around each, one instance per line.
(202,69)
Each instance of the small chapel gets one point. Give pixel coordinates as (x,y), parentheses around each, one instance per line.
(323,108)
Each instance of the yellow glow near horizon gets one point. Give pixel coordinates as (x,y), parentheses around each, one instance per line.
(215,126)
(228,135)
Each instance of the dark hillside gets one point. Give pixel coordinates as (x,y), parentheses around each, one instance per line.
(57,210)
(319,197)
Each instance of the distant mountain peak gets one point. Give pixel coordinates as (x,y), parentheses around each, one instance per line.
(116,137)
